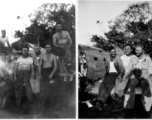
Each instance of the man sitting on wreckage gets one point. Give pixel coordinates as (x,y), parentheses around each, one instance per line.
(137,80)
(114,72)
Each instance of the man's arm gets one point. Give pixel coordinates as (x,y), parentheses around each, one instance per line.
(55,66)
(121,67)
(149,61)
(8,44)
(32,68)
(128,70)
(15,70)
(70,40)
(54,41)
(40,65)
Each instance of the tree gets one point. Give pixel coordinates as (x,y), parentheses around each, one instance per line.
(43,23)
(133,26)
(48,14)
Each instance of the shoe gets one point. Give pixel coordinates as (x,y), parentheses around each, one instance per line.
(3,103)
(98,106)
(88,104)
(51,81)
(113,96)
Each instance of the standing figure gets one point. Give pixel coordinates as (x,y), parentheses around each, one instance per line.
(35,81)
(7,89)
(24,70)
(47,68)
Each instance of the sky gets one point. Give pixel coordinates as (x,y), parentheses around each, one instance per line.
(10,9)
(89,12)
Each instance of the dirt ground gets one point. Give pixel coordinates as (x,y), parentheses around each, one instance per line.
(60,103)
(112,110)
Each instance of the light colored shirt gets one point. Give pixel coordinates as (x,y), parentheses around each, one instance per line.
(125,60)
(24,63)
(84,71)
(3,40)
(112,67)
(82,59)
(145,64)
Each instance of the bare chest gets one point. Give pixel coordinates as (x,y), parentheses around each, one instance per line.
(60,36)
(48,59)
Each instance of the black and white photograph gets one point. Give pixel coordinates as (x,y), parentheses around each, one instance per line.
(37,59)
(114,59)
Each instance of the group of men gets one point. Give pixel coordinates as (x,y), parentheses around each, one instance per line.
(129,76)
(35,71)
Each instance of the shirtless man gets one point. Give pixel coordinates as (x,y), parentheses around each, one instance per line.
(47,68)
(63,40)
(3,40)
(47,65)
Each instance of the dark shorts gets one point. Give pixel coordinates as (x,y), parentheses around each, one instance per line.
(45,73)
(45,79)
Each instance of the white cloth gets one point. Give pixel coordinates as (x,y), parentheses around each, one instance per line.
(3,40)
(82,59)
(84,71)
(125,60)
(112,67)
(24,63)
(35,84)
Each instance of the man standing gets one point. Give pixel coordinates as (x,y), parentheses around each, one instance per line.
(7,89)
(47,68)
(23,71)
(35,81)
(62,40)
(115,70)
(4,40)
(48,65)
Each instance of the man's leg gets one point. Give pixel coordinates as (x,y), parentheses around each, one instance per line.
(106,86)
(44,87)
(28,87)
(133,82)
(18,88)
(145,87)
(129,113)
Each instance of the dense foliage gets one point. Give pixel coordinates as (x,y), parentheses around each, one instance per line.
(43,23)
(133,26)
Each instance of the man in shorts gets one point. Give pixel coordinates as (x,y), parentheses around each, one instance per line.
(62,39)
(47,68)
